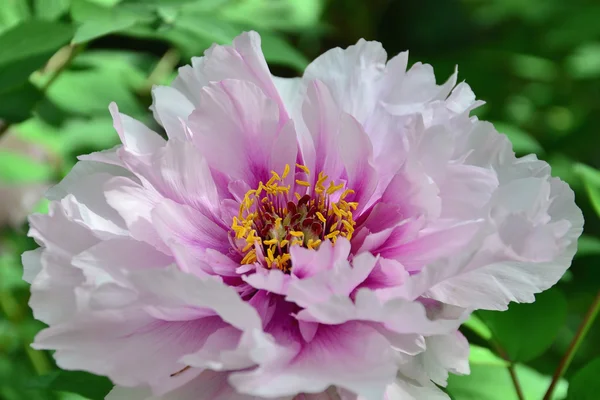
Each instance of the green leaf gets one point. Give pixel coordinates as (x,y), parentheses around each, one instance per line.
(208,27)
(51,9)
(534,68)
(100,20)
(32,38)
(91,386)
(89,135)
(71,92)
(18,168)
(27,47)
(525,331)
(588,246)
(97,21)
(103,26)
(290,15)
(585,384)
(481,356)
(12,12)
(522,142)
(17,103)
(591,179)
(479,327)
(278,51)
(491,382)
(584,63)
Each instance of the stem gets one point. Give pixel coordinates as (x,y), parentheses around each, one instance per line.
(161,71)
(511,370)
(584,327)
(516,384)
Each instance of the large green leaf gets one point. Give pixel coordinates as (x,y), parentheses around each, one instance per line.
(12,12)
(97,21)
(51,9)
(588,246)
(89,92)
(26,47)
(279,51)
(481,356)
(493,382)
(591,178)
(525,331)
(91,386)
(585,384)
(17,103)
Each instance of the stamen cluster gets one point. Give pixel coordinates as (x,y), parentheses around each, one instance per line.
(271,221)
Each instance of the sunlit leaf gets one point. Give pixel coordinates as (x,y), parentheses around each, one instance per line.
(585,384)
(481,356)
(522,142)
(286,15)
(51,9)
(97,21)
(491,382)
(71,92)
(525,331)
(12,12)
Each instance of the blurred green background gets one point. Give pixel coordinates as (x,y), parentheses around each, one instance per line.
(535,62)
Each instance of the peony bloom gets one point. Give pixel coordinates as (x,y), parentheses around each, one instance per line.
(313,238)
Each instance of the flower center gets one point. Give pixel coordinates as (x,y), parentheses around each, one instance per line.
(271,220)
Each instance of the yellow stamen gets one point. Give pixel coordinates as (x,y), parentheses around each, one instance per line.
(346,193)
(296,233)
(332,235)
(302,183)
(270,242)
(334,188)
(276,175)
(304,168)
(321,217)
(250,257)
(286,171)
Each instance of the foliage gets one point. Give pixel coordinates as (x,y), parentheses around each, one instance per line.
(536,63)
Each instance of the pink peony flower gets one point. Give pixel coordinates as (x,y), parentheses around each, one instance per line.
(312,238)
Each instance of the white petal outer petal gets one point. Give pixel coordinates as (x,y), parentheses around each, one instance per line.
(136,137)
(173,287)
(32,264)
(531,236)
(445,353)
(242,61)
(209,385)
(170,106)
(332,357)
(352,76)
